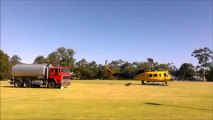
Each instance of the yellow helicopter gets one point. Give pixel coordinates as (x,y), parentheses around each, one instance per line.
(146,77)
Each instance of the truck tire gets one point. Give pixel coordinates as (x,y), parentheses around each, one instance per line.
(26,84)
(51,84)
(17,83)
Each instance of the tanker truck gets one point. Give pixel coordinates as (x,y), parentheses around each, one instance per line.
(36,75)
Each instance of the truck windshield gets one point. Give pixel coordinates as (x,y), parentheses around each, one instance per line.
(65,70)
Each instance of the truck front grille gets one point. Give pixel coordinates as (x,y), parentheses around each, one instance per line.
(65,83)
(66,77)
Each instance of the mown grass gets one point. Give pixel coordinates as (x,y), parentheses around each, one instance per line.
(109,100)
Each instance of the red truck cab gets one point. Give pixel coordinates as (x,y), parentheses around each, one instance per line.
(60,75)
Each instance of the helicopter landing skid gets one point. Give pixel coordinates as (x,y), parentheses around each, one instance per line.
(155,83)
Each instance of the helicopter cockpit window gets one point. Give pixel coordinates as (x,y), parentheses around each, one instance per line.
(165,75)
(150,75)
(155,75)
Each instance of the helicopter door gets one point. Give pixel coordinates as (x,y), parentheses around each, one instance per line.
(165,76)
(149,77)
(155,77)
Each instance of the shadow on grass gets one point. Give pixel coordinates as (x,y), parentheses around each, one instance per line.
(7,86)
(186,107)
(150,84)
(30,87)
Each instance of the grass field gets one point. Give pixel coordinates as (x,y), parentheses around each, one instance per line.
(109,100)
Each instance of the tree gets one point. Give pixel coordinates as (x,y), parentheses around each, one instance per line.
(204,55)
(140,65)
(40,60)
(161,66)
(82,68)
(127,68)
(5,66)
(53,58)
(115,65)
(62,57)
(15,59)
(94,69)
(102,74)
(209,74)
(172,69)
(144,65)
(90,70)
(186,70)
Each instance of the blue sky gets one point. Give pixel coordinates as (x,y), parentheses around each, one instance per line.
(165,30)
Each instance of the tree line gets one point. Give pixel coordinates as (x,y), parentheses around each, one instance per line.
(83,69)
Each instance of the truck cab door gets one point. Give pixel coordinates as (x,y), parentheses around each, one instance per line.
(57,74)
(52,71)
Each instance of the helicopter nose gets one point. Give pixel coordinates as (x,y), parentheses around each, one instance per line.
(171,79)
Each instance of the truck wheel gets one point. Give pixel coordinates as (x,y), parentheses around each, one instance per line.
(51,84)
(27,84)
(17,83)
